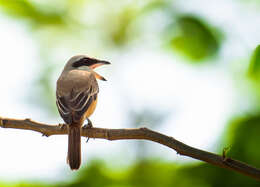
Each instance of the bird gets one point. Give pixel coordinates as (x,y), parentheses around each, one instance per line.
(76,99)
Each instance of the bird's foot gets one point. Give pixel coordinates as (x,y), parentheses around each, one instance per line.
(62,126)
(88,126)
(45,134)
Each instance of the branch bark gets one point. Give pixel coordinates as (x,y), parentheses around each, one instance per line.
(141,133)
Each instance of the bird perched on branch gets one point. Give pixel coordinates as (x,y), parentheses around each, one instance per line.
(76,99)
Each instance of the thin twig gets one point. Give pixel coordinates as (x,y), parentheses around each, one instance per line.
(140,133)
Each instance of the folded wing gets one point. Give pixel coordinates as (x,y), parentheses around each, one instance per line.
(73,106)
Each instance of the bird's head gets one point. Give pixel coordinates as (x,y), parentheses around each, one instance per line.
(83,62)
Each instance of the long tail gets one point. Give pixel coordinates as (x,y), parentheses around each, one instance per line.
(74,147)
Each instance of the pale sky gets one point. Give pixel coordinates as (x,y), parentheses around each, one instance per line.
(201,100)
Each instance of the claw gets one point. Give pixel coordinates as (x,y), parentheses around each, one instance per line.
(62,126)
(89,125)
(43,134)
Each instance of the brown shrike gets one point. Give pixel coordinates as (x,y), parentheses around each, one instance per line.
(76,99)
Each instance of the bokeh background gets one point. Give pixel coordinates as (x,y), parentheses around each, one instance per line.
(188,69)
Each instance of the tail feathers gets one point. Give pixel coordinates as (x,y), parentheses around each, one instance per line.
(74,147)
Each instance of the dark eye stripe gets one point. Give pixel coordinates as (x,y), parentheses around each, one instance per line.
(84,62)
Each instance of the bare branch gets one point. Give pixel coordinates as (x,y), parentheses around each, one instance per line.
(141,133)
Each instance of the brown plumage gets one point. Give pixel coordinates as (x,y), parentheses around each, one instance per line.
(76,99)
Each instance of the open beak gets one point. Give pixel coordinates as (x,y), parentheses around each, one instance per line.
(99,63)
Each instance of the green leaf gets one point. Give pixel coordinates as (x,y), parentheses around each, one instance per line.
(36,15)
(254,67)
(194,39)
(119,32)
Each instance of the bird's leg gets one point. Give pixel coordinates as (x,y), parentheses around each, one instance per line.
(88,126)
(62,126)
(89,123)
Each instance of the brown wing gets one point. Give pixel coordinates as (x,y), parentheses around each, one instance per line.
(73,106)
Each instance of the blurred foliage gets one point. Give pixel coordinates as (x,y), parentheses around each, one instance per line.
(254,68)
(119,31)
(194,39)
(244,140)
(33,13)
(154,173)
(26,184)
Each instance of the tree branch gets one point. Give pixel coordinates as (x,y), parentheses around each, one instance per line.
(141,133)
